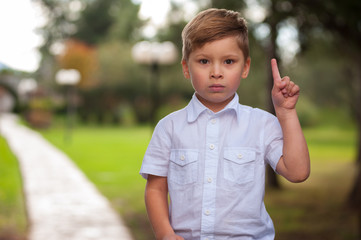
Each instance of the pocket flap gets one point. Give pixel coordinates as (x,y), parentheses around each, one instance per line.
(183,157)
(239,156)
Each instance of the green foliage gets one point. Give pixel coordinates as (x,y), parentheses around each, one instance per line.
(95,21)
(230,4)
(320,74)
(107,17)
(253,89)
(308,113)
(127,23)
(174,103)
(13,221)
(92,23)
(112,25)
(117,67)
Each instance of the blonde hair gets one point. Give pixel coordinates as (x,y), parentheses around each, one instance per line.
(214,24)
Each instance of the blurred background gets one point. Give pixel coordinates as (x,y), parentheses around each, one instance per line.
(94,76)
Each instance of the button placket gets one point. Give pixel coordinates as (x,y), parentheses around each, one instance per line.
(210,176)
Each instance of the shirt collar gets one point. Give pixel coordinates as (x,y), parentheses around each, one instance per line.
(195,108)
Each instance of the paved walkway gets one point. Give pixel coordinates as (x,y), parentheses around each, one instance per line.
(61,203)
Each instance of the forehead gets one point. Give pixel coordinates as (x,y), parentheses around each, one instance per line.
(224,46)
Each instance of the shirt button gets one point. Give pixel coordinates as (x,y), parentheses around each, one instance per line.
(214,121)
(211,146)
(239,156)
(209,179)
(182,157)
(207,212)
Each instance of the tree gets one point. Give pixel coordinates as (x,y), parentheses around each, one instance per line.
(273,19)
(81,56)
(341,19)
(95,21)
(104,19)
(232,5)
(90,21)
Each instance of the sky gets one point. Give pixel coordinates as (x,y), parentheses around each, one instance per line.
(18,40)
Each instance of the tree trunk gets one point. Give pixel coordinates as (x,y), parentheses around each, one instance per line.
(355,194)
(155,94)
(272,179)
(355,198)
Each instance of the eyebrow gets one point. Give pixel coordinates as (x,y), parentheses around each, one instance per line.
(232,56)
(200,55)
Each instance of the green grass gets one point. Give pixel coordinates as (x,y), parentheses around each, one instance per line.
(13,223)
(331,143)
(111,158)
(318,209)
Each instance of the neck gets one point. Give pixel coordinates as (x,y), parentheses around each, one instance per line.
(214,106)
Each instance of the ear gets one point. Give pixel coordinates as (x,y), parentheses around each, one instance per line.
(246,67)
(185,69)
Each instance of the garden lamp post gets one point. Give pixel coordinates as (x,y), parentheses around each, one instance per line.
(68,78)
(154,54)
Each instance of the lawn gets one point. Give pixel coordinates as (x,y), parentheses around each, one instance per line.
(317,209)
(111,158)
(13,223)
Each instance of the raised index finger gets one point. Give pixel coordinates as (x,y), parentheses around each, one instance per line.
(275,72)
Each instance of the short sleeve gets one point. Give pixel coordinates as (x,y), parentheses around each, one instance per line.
(273,141)
(156,157)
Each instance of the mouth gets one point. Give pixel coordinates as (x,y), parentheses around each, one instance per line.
(216,87)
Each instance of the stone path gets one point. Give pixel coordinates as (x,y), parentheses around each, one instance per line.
(61,203)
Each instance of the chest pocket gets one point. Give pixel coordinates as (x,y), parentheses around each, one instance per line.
(183,166)
(239,165)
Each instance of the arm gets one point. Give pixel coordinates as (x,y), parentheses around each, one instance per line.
(294,165)
(156,201)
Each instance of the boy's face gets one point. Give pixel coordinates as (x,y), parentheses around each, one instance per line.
(216,70)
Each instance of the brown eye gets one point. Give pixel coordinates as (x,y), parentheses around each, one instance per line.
(229,61)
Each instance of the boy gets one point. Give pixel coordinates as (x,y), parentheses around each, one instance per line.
(210,157)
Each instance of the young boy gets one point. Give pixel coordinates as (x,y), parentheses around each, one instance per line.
(210,157)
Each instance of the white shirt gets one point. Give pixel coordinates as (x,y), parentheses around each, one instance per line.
(215,167)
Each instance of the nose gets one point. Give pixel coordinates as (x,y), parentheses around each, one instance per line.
(216,72)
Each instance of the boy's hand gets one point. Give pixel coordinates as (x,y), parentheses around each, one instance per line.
(285,92)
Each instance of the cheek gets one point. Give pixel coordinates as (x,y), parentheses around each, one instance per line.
(236,78)
(198,78)
(195,83)
(235,82)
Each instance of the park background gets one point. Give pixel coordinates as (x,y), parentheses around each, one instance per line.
(114,105)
